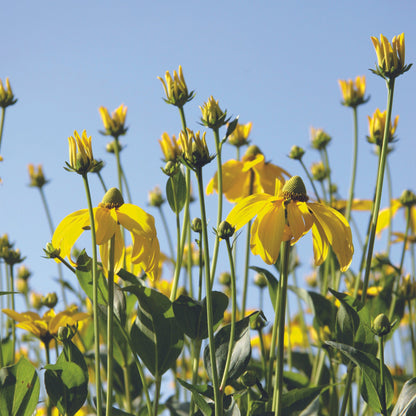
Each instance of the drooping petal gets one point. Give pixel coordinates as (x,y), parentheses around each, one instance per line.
(299,219)
(69,230)
(386,215)
(146,253)
(320,244)
(250,164)
(267,233)
(21,317)
(105,224)
(337,232)
(268,173)
(137,221)
(246,209)
(118,252)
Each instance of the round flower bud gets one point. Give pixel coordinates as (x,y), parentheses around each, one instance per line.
(170,168)
(22,286)
(64,333)
(296,153)
(111,146)
(381,325)
(23,272)
(196,225)
(408,198)
(260,280)
(155,197)
(36,300)
(50,300)
(225,279)
(225,230)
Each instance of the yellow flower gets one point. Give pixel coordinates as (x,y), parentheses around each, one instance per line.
(170,148)
(212,115)
(114,124)
(46,327)
(249,176)
(81,159)
(353,91)
(239,137)
(175,88)
(357,205)
(108,216)
(390,56)
(376,126)
(37,178)
(287,216)
(195,150)
(6,95)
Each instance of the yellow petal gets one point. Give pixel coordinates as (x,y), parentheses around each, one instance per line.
(268,174)
(69,230)
(21,317)
(299,219)
(137,221)
(320,244)
(250,164)
(105,224)
(386,215)
(118,252)
(246,209)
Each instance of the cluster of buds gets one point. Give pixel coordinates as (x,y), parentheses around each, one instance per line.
(239,137)
(319,138)
(36,176)
(390,56)
(377,125)
(81,159)
(114,124)
(353,92)
(9,255)
(195,150)
(175,89)
(6,95)
(212,115)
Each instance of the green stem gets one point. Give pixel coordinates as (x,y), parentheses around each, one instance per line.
(196,350)
(158,382)
(119,170)
(412,335)
(208,294)
(124,179)
(110,325)
(390,198)
(382,384)
(233,317)
(278,386)
(168,237)
(218,148)
(328,168)
(102,181)
(310,180)
(379,188)
(95,299)
(13,309)
(3,115)
(347,389)
(354,166)
(48,360)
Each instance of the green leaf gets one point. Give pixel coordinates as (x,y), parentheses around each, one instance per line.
(240,355)
(231,127)
(176,191)
(191,314)
(299,399)
(272,283)
(156,336)
(84,276)
(19,389)
(203,397)
(406,403)
(67,386)
(370,365)
(7,351)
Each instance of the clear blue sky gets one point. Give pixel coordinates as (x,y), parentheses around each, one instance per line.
(273,63)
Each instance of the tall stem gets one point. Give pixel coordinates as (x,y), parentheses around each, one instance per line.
(3,115)
(94,299)
(379,188)
(13,309)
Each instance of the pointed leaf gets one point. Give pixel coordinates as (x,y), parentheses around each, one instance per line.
(406,403)
(299,399)
(176,191)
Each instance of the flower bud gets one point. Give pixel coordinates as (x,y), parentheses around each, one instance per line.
(22,286)
(258,323)
(171,168)
(66,333)
(51,252)
(381,325)
(111,147)
(196,225)
(36,300)
(23,272)
(155,197)
(114,124)
(225,230)
(6,95)
(212,115)
(37,178)
(225,279)
(296,153)
(260,280)
(175,88)
(239,137)
(319,138)
(408,198)
(251,153)
(50,300)
(319,171)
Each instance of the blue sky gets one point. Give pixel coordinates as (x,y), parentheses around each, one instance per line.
(273,63)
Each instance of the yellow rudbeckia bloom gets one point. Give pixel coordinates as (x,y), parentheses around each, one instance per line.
(246,177)
(108,216)
(287,216)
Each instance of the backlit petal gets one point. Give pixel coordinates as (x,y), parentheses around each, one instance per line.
(118,252)
(299,219)
(320,244)
(105,224)
(385,215)
(268,173)
(137,221)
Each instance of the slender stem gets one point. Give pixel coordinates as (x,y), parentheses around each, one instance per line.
(412,335)
(158,382)
(379,189)
(354,166)
(3,115)
(13,309)
(110,325)
(328,168)
(233,317)
(119,170)
(102,181)
(124,179)
(195,367)
(218,148)
(382,384)
(310,180)
(278,387)
(95,299)
(168,237)
(208,294)
(48,360)
(347,389)
(390,198)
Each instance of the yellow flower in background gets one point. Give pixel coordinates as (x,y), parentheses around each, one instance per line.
(239,137)
(171,148)
(36,176)
(376,126)
(357,205)
(175,88)
(108,216)
(353,91)
(46,327)
(6,95)
(390,56)
(114,124)
(287,216)
(246,177)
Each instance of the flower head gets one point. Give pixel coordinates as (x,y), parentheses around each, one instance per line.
(36,176)
(353,92)
(114,124)
(239,137)
(390,56)
(171,148)
(376,126)
(319,138)
(175,89)
(249,176)
(6,95)
(155,197)
(212,115)
(287,216)
(195,150)
(108,216)
(81,159)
